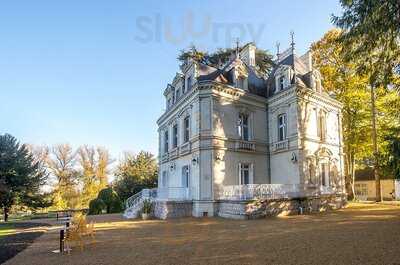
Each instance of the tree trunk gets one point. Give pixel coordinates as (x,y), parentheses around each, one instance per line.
(5,214)
(375,146)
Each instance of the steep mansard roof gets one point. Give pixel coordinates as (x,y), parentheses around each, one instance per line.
(263,86)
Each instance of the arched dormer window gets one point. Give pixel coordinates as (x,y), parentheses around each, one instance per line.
(282,77)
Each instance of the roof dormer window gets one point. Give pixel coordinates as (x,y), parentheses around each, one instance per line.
(188,83)
(281,83)
(177,94)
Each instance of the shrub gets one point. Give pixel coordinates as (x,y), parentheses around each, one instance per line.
(96,206)
(147,206)
(111,200)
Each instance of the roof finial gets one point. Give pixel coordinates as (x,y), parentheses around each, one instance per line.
(237,47)
(277,48)
(292,44)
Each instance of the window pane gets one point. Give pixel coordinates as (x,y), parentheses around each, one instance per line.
(185,176)
(186,129)
(175,136)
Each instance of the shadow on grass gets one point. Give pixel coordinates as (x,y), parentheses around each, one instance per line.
(16,241)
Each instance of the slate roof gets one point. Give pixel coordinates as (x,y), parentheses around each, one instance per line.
(256,83)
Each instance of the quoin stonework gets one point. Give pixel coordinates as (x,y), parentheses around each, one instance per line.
(230,136)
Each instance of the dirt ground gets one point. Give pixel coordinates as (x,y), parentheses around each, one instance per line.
(359,234)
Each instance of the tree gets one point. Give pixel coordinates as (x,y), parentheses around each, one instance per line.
(61,163)
(371,37)
(392,165)
(134,173)
(111,200)
(94,171)
(20,175)
(341,80)
(220,57)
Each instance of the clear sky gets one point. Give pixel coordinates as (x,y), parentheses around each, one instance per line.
(93,72)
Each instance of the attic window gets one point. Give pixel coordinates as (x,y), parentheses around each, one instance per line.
(281,83)
(189,83)
(240,82)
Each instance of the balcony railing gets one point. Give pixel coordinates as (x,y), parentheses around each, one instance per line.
(173,153)
(282,145)
(174,193)
(270,191)
(245,145)
(184,148)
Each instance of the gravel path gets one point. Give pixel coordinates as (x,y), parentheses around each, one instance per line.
(359,234)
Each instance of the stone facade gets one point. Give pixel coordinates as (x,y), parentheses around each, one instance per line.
(172,209)
(280,207)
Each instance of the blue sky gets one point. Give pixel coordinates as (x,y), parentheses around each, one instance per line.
(93,72)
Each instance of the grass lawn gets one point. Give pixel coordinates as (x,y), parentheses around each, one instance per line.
(6,229)
(16,236)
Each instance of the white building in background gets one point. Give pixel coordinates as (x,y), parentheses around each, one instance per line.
(230,135)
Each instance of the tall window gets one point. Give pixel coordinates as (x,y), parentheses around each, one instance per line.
(324,173)
(321,130)
(177,94)
(185,176)
(282,127)
(175,136)
(166,141)
(164,179)
(186,129)
(243,126)
(281,83)
(169,103)
(244,173)
(240,82)
(189,83)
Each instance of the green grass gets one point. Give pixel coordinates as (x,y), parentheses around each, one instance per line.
(6,229)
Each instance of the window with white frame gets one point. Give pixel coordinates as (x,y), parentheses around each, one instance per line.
(169,103)
(241,83)
(243,127)
(245,173)
(164,179)
(185,176)
(282,127)
(189,83)
(166,141)
(177,94)
(186,129)
(281,83)
(175,136)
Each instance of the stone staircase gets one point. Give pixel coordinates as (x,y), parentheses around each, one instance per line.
(134,204)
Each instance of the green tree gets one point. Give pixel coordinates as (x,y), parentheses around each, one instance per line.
(392,165)
(111,200)
(341,80)
(94,163)
(20,175)
(371,38)
(264,60)
(134,173)
(62,162)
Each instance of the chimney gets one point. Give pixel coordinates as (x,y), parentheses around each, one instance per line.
(308,60)
(248,54)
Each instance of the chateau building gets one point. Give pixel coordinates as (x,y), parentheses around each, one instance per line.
(230,135)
